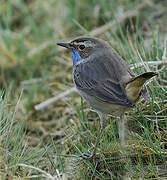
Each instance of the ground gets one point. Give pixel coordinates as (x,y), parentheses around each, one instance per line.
(46,143)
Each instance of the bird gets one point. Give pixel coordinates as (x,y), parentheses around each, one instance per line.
(105,81)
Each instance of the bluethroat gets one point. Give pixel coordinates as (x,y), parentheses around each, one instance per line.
(105,81)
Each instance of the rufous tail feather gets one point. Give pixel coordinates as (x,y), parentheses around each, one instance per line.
(134,86)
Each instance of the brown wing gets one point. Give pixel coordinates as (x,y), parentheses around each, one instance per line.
(100,79)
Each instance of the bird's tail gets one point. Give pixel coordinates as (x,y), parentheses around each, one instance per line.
(134,86)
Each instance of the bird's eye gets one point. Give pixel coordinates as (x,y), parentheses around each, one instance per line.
(82,46)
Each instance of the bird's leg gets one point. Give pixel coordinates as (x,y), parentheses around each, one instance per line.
(121,129)
(102,126)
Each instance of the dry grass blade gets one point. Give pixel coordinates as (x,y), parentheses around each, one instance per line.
(164,57)
(6,53)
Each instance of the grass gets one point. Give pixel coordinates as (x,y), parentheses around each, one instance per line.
(45,144)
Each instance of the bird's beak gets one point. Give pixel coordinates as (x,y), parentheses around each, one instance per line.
(66,45)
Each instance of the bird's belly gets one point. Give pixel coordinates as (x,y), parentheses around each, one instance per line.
(101,106)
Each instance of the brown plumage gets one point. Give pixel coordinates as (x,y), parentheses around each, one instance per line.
(105,81)
(134,87)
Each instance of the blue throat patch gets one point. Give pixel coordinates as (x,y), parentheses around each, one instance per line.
(76,56)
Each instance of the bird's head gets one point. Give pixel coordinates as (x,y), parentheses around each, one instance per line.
(83,47)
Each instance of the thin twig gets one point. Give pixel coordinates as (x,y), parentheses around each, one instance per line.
(40,48)
(54,99)
(155,63)
(109,25)
(47,175)
(31,81)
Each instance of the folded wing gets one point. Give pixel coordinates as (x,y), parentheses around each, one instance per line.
(100,80)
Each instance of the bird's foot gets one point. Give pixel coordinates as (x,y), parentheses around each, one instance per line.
(87,156)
